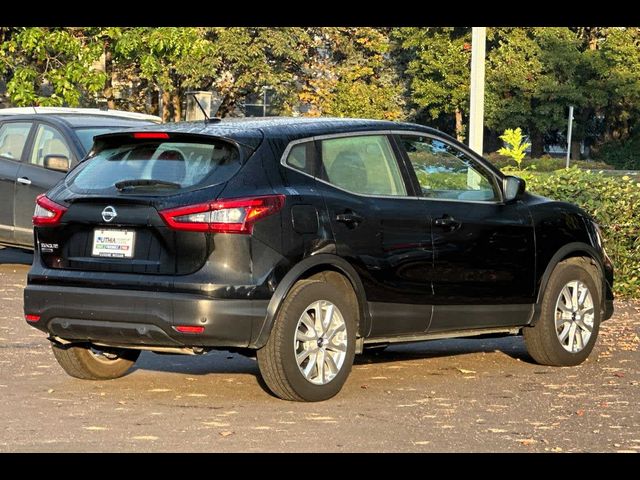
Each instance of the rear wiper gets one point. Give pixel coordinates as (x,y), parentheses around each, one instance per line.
(145,183)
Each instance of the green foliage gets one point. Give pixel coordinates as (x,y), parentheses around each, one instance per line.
(624,155)
(51,66)
(613,201)
(530,79)
(348,73)
(516,145)
(437,62)
(546,163)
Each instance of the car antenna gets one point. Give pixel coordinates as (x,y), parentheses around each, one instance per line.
(207,119)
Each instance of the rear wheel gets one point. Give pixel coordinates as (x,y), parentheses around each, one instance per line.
(312,344)
(569,317)
(90,363)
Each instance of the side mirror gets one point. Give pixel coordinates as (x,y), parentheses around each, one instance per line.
(513,187)
(59,163)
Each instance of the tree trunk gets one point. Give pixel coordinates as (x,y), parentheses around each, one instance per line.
(575,148)
(165,106)
(537,142)
(109,71)
(459,126)
(152,107)
(176,105)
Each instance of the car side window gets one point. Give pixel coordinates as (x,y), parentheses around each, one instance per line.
(443,171)
(362,164)
(48,141)
(301,157)
(13,137)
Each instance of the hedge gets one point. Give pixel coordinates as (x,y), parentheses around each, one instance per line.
(614,201)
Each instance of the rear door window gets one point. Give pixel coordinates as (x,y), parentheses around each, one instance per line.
(181,164)
(362,164)
(13,137)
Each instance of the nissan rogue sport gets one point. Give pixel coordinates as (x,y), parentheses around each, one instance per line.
(306,240)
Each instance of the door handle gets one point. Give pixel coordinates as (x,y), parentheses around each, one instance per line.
(446,221)
(24,180)
(349,218)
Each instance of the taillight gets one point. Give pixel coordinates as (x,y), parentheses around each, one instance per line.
(32,318)
(189,329)
(147,135)
(47,213)
(235,215)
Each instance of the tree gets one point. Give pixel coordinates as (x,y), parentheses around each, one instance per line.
(51,66)
(169,59)
(437,63)
(252,58)
(531,76)
(348,72)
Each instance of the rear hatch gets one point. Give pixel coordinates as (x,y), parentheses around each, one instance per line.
(111,204)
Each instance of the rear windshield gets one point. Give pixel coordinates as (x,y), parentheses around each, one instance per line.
(181,164)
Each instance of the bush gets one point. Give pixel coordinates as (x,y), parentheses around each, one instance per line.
(613,201)
(516,145)
(623,155)
(546,163)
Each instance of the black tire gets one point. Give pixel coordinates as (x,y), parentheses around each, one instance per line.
(81,362)
(277,359)
(542,340)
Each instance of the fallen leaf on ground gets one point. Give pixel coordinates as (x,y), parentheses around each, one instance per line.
(527,441)
(465,371)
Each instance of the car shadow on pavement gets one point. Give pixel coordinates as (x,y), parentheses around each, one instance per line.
(222,362)
(15,256)
(216,362)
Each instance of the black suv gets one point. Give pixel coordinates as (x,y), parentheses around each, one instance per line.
(308,240)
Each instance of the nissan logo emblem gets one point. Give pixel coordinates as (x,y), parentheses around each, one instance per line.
(109,213)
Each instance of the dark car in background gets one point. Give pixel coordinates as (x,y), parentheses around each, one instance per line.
(37,147)
(306,241)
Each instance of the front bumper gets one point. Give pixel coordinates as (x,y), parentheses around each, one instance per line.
(141,318)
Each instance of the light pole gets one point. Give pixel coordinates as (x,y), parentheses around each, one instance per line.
(569,128)
(264,99)
(476,108)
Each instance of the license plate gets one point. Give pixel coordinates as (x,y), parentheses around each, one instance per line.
(113,243)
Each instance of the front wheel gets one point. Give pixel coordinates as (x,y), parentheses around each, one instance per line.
(569,316)
(312,344)
(89,363)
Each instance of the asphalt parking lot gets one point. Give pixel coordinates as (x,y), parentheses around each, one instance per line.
(479,395)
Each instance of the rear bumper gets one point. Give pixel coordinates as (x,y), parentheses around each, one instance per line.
(134,317)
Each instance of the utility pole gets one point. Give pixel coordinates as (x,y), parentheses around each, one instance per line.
(569,128)
(476,109)
(264,101)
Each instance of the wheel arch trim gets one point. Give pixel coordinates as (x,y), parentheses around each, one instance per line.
(299,271)
(568,250)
